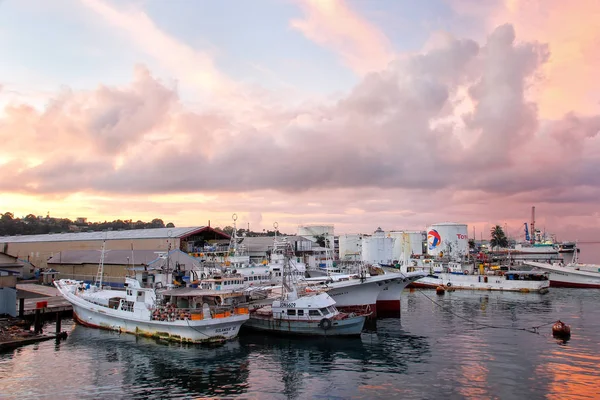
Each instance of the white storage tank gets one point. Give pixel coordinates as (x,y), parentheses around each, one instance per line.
(411,241)
(311,232)
(448,238)
(378,249)
(350,246)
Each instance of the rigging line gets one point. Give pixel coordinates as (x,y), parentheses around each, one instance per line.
(533,329)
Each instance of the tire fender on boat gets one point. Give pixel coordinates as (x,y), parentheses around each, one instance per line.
(448,284)
(325,324)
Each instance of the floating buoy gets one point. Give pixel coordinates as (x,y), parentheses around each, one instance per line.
(560,329)
(440,290)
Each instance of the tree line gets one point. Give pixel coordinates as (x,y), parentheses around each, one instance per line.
(34,225)
(248,233)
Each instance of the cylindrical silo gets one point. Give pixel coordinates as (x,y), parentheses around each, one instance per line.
(350,246)
(448,238)
(378,249)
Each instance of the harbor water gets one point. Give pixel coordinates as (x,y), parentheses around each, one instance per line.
(463,345)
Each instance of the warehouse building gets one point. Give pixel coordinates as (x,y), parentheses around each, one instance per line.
(38,249)
(117,264)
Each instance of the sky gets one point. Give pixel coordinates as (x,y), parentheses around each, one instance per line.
(359,114)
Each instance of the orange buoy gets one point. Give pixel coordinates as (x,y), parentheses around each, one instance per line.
(561,329)
(440,290)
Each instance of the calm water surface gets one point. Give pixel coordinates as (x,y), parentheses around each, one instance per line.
(431,352)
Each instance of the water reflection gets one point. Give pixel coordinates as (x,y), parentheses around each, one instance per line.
(312,367)
(142,363)
(433,351)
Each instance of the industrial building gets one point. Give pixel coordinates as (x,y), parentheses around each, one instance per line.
(38,249)
(83,264)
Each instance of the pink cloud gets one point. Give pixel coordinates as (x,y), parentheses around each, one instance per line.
(567,80)
(333,24)
(138,147)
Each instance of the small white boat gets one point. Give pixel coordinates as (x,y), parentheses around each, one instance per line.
(312,315)
(184,317)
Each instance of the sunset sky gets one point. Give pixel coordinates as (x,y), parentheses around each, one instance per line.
(390,113)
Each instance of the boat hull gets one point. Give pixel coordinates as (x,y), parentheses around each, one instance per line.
(190,331)
(355,296)
(374,291)
(569,277)
(344,327)
(478,282)
(388,300)
(180,331)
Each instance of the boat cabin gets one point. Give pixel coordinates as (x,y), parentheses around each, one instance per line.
(526,275)
(313,307)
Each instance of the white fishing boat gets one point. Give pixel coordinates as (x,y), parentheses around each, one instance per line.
(514,281)
(571,275)
(181,314)
(191,316)
(313,314)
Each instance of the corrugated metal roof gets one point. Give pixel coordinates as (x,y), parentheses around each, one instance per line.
(111,257)
(153,233)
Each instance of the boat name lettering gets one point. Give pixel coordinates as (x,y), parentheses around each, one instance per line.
(219,330)
(338,294)
(288,305)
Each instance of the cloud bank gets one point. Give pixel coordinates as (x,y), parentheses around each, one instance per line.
(459,120)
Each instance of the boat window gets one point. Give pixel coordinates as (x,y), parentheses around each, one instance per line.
(331,309)
(245,279)
(324,311)
(314,313)
(300,313)
(291,312)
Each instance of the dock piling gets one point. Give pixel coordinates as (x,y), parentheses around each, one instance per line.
(37,323)
(21,307)
(58,322)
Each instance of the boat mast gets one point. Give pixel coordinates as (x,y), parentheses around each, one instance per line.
(532,225)
(233,240)
(100,272)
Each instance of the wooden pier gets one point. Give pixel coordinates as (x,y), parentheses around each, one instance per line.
(30,294)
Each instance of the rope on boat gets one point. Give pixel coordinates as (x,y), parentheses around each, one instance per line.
(188,322)
(533,329)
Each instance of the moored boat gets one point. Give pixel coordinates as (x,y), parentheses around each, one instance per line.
(585,276)
(514,281)
(195,316)
(312,314)
(365,293)
(309,315)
